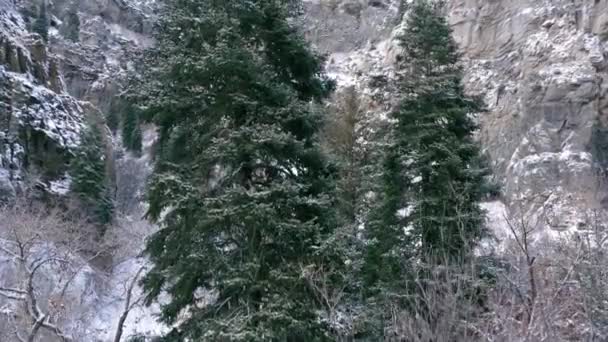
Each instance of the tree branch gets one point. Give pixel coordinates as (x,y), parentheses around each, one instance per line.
(128,305)
(35,328)
(9,252)
(10,296)
(55,329)
(13,290)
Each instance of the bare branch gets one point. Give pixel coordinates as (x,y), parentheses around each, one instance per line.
(128,305)
(35,328)
(30,285)
(11,296)
(19,336)
(9,252)
(9,289)
(77,271)
(53,328)
(33,237)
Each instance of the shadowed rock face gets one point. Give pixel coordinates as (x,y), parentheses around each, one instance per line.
(110,32)
(46,90)
(39,121)
(345,25)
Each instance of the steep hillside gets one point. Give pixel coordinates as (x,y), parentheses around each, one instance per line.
(40,120)
(49,91)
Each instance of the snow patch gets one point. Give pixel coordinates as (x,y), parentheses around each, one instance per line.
(61,186)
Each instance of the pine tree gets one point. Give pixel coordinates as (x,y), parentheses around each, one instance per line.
(89,181)
(433,175)
(72,29)
(342,136)
(131,130)
(41,23)
(113,118)
(115,115)
(346,137)
(241,190)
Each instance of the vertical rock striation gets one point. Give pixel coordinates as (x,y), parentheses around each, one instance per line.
(39,121)
(540,65)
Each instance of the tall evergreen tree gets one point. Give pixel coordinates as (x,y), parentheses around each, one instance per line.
(131,130)
(241,190)
(89,181)
(433,174)
(41,23)
(342,136)
(72,24)
(115,115)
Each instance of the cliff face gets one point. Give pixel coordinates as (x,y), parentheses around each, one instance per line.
(49,89)
(539,65)
(39,121)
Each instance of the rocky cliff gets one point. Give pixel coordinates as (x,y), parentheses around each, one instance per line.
(539,65)
(40,121)
(49,89)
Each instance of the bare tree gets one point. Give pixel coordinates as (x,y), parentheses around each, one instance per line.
(131,302)
(36,239)
(328,295)
(522,232)
(127,240)
(591,273)
(540,296)
(442,304)
(343,137)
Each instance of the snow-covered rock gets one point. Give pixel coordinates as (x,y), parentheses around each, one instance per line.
(39,121)
(539,66)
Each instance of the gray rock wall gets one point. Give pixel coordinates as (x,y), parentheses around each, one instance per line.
(541,67)
(48,90)
(39,121)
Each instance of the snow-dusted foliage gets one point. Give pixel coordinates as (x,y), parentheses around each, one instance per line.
(538,65)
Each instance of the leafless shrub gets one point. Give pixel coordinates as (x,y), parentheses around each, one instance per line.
(328,295)
(35,242)
(555,289)
(548,286)
(587,258)
(45,263)
(443,304)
